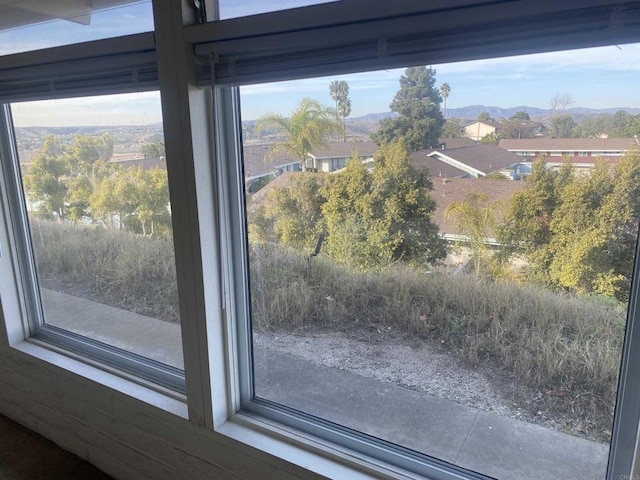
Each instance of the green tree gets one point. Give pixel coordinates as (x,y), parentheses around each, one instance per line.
(308,127)
(153,198)
(452,128)
(485,117)
(374,218)
(295,211)
(490,138)
(417,102)
(562,126)
(526,230)
(45,179)
(520,116)
(476,221)
(445,91)
(153,150)
(339,91)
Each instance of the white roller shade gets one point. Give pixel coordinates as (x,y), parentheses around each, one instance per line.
(346,37)
(106,66)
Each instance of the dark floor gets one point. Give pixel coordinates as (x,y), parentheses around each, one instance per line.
(25,455)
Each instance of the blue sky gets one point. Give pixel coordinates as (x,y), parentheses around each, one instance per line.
(597,78)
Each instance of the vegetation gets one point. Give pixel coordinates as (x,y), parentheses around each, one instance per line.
(78,183)
(125,270)
(578,232)
(371,218)
(568,348)
(339,91)
(476,220)
(417,102)
(308,127)
(445,91)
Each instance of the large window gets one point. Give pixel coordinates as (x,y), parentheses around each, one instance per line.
(436,312)
(96,197)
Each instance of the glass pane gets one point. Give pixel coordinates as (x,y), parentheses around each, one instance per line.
(36,24)
(95,183)
(460,290)
(243,8)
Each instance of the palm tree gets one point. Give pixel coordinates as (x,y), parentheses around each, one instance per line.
(339,91)
(307,128)
(445,90)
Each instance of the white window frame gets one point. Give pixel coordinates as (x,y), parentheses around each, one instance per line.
(227,54)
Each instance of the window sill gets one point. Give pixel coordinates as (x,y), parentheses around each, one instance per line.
(109,377)
(306,451)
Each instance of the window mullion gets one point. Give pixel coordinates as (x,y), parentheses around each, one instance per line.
(188,154)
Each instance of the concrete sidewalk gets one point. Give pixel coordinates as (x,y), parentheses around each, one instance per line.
(497,446)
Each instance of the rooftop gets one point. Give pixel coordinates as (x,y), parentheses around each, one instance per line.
(547,144)
(345,149)
(485,158)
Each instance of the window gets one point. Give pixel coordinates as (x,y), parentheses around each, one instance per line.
(97,199)
(279,307)
(320,233)
(236,8)
(34,25)
(346,330)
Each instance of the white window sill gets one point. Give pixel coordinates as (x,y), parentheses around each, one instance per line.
(305,451)
(147,392)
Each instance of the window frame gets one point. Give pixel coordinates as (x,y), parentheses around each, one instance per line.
(627,414)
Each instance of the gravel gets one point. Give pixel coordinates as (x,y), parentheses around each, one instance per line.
(421,367)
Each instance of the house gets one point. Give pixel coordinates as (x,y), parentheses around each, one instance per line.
(335,156)
(473,161)
(118,412)
(582,153)
(257,166)
(481,128)
(448,190)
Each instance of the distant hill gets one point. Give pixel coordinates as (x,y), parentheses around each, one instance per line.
(473,111)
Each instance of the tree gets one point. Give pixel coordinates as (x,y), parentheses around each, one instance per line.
(475,217)
(374,218)
(452,128)
(579,232)
(44,180)
(308,127)
(485,117)
(153,150)
(490,138)
(563,126)
(339,91)
(520,116)
(559,102)
(295,211)
(417,102)
(445,90)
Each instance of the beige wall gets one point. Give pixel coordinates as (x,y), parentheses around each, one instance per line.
(477,130)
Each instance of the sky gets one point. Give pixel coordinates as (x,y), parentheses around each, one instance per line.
(603,77)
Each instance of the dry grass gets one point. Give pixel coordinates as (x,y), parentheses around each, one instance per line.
(125,270)
(566,347)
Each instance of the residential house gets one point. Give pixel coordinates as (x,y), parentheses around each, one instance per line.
(481,128)
(582,153)
(473,161)
(448,190)
(335,156)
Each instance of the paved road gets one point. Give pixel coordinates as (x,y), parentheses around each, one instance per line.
(497,446)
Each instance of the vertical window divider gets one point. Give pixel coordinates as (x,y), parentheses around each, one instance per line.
(189,158)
